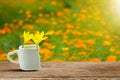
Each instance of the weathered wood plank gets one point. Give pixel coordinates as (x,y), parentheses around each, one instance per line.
(65,70)
(59,78)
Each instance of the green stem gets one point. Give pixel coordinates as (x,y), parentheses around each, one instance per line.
(37,45)
(23,45)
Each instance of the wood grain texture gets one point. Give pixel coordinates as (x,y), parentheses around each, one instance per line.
(62,71)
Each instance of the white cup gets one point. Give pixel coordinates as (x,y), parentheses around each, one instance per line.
(28,57)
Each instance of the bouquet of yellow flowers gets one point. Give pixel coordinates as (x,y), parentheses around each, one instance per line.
(36,38)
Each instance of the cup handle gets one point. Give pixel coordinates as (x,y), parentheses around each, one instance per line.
(11,53)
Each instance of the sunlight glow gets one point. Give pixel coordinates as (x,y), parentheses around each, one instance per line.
(116,6)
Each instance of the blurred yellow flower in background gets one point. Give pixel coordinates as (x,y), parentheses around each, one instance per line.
(95,60)
(51,32)
(111,58)
(65,49)
(107,43)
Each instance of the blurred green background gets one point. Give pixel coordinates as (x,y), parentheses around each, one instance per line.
(78,30)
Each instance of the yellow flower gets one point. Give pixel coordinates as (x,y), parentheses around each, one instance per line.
(65,49)
(111,58)
(95,60)
(107,43)
(38,37)
(50,32)
(27,36)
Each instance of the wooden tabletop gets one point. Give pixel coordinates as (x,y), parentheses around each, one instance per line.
(62,71)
